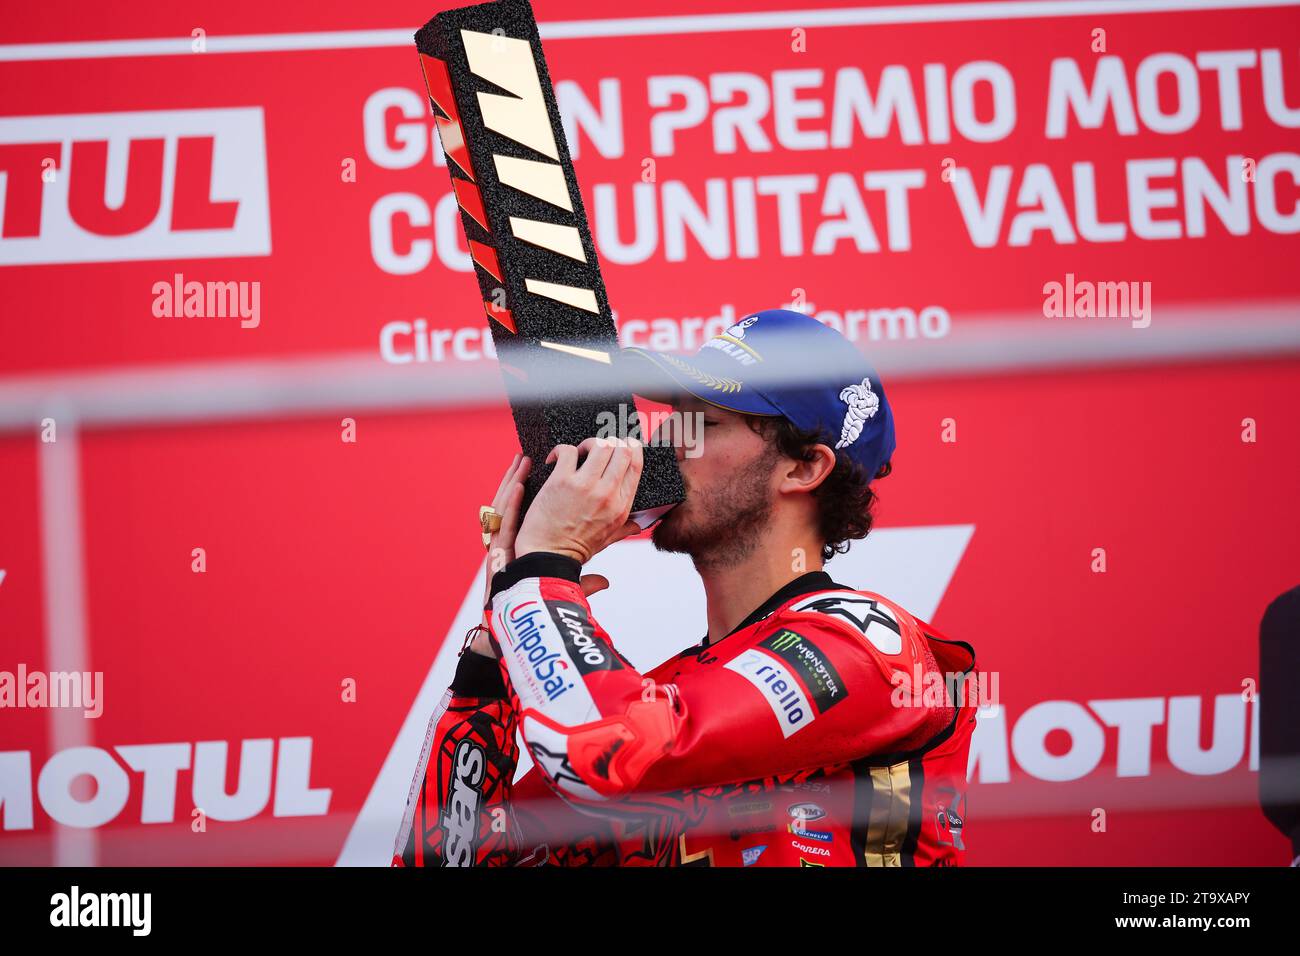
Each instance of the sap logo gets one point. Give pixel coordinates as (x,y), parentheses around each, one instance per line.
(158,766)
(111,187)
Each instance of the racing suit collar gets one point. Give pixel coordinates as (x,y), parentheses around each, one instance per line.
(806,583)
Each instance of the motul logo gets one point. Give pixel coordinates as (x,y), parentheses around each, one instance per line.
(108,187)
(1137,725)
(149,776)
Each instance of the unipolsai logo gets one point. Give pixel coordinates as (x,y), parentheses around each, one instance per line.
(110,187)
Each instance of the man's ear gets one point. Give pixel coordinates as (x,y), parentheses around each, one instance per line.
(806,476)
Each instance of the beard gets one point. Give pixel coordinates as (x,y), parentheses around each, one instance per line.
(722,526)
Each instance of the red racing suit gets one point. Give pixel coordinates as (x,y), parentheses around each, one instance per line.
(830,728)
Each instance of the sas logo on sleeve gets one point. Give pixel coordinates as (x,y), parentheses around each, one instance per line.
(460,815)
(793,710)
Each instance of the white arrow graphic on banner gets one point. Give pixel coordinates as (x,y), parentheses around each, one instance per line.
(910,566)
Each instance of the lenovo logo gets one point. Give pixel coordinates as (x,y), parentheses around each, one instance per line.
(109,187)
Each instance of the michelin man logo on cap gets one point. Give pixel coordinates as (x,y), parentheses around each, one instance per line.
(737,331)
(863,404)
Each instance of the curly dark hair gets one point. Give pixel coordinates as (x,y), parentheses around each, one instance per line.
(845,499)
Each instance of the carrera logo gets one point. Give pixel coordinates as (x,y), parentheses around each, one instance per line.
(111,187)
(811,850)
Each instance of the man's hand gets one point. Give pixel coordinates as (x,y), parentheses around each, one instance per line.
(509,496)
(501,546)
(582,509)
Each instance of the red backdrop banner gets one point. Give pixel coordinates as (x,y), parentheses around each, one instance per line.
(188,196)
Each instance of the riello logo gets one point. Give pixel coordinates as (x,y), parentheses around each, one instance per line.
(109,187)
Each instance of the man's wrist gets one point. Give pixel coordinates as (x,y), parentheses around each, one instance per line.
(551,549)
(525,546)
(482,645)
(536,564)
(478,676)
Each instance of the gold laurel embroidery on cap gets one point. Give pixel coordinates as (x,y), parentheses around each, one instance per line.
(704,378)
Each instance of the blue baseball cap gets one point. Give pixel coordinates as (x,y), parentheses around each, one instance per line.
(784,363)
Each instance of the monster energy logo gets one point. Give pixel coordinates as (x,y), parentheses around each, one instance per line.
(784,641)
(813,668)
